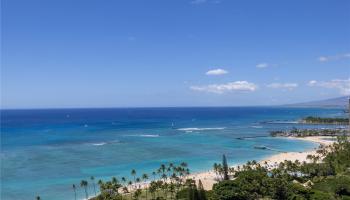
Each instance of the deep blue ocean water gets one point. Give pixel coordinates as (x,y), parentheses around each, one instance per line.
(43,152)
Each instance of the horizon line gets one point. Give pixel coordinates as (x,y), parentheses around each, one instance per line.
(162,107)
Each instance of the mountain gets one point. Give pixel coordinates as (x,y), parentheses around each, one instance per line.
(342,102)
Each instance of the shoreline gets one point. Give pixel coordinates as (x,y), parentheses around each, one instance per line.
(209,178)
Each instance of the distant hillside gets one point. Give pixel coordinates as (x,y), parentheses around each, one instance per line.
(335,102)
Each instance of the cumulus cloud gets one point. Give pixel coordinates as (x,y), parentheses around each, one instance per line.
(342,85)
(334,57)
(243,86)
(262,65)
(216,72)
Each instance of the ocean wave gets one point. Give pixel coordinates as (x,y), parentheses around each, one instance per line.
(104,143)
(144,135)
(256,126)
(200,129)
(149,135)
(99,144)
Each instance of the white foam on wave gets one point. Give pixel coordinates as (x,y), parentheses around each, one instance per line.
(99,144)
(256,126)
(144,135)
(149,135)
(200,129)
(104,143)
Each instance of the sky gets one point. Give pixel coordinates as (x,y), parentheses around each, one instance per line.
(156,53)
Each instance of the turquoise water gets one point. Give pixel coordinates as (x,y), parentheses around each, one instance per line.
(43,152)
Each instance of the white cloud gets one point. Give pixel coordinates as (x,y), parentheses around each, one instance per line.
(312,82)
(216,72)
(323,59)
(334,57)
(244,86)
(262,65)
(342,85)
(289,86)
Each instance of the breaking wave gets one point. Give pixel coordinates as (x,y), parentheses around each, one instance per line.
(144,135)
(200,129)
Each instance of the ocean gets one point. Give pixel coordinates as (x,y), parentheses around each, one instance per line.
(44,152)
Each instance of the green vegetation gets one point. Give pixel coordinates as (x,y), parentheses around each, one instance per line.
(320,120)
(225,167)
(169,182)
(327,178)
(84,184)
(308,132)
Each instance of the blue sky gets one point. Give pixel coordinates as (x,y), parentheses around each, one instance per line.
(126,53)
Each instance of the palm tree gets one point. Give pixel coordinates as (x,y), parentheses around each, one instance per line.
(145,177)
(133,173)
(114,180)
(130,183)
(164,177)
(75,192)
(249,163)
(162,168)
(100,183)
(183,164)
(154,175)
(115,184)
(84,184)
(173,177)
(254,162)
(187,172)
(138,181)
(124,180)
(215,167)
(168,170)
(93,183)
(159,172)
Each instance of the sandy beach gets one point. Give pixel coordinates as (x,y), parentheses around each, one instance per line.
(209,178)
